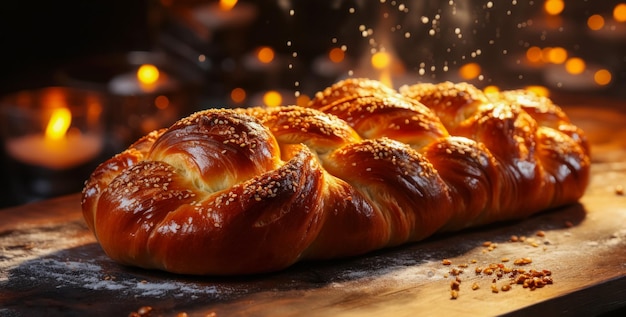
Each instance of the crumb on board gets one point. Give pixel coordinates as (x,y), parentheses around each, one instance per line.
(143,311)
(455,271)
(503,275)
(454,294)
(523,261)
(494,288)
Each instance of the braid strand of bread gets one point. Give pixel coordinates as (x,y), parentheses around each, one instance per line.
(363,167)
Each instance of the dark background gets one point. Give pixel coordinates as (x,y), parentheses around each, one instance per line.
(38,38)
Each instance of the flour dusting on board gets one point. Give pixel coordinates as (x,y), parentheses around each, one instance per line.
(41,256)
(69,259)
(55,259)
(92,276)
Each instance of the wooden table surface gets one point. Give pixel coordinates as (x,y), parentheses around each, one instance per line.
(50,264)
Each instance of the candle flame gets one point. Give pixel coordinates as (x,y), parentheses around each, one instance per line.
(227,5)
(148,74)
(59,124)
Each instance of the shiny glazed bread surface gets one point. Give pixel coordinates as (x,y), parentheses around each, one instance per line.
(363,167)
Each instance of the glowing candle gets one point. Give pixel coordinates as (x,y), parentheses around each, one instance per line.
(224,14)
(576,74)
(382,62)
(60,147)
(607,28)
(332,64)
(148,79)
(262,59)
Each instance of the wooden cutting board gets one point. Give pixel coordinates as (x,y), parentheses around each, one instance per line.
(50,263)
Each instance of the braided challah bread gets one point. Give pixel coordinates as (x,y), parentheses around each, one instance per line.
(363,167)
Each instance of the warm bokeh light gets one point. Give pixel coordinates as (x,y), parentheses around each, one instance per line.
(238,95)
(602,77)
(619,12)
(59,123)
(385,78)
(595,22)
(469,71)
(272,98)
(265,54)
(538,90)
(575,66)
(148,74)
(554,22)
(545,54)
(491,89)
(166,3)
(336,55)
(94,110)
(161,102)
(303,100)
(534,54)
(554,7)
(557,55)
(227,5)
(381,60)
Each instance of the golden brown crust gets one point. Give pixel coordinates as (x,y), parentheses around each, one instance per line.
(375,110)
(399,182)
(471,172)
(545,112)
(348,89)
(294,125)
(451,102)
(542,159)
(362,168)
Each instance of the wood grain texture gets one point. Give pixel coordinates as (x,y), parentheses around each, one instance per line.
(51,263)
